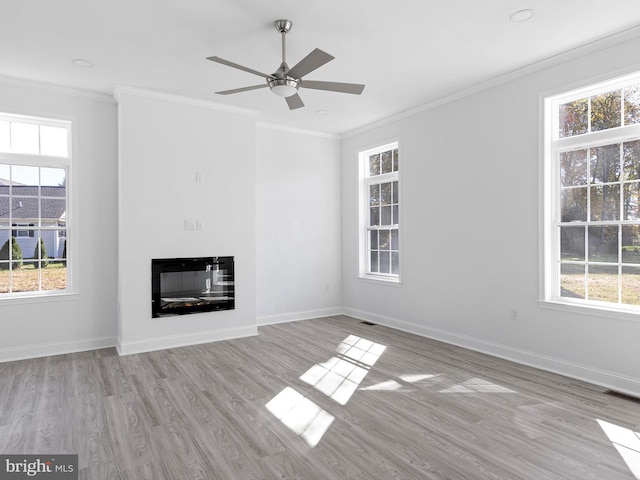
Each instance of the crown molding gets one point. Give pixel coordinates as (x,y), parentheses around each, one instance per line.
(120,90)
(549,62)
(6,81)
(299,131)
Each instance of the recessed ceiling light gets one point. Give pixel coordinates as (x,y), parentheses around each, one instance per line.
(321,112)
(82,63)
(522,15)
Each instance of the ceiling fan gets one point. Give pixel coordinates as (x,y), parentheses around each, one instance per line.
(286,81)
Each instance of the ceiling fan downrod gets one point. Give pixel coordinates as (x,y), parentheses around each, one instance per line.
(283,26)
(282,84)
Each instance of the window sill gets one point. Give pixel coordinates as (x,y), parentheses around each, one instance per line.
(391,281)
(41,298)
(591,310)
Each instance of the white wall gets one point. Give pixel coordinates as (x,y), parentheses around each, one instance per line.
(469,233)
(39,327)
(298,218)
(283,228)
(467,260)
(163,142)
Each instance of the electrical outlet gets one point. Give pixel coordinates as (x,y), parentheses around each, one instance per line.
(514,315)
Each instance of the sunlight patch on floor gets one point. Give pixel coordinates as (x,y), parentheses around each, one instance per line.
(414,378)
(627,442)
(388,386)
(339,377)
(477,385)
(300,415)
(393,386)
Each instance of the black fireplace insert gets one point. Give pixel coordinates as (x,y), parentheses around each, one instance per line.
(190,285)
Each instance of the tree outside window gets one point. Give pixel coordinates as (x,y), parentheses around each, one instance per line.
(592,176)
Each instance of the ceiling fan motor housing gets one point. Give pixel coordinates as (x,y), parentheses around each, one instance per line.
(282,84)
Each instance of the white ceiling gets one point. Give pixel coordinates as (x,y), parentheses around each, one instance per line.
(407,52)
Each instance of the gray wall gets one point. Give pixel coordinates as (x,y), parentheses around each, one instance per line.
(470,234)
(44,326)
(298,216)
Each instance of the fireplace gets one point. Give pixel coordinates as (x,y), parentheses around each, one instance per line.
(190,285)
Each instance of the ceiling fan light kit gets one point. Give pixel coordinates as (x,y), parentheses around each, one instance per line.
(286,81)
(284,87)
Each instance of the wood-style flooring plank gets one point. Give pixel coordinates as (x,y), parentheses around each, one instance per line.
(321,399)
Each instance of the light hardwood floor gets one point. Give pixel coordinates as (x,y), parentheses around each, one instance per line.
(320,399)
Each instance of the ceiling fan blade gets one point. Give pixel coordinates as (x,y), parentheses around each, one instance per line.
(308,64)
(239,67)
(294,101)
(243,89)
(355,88)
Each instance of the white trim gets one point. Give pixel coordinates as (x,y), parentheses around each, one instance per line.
(550,191)
(37,160)
(29,160)
(585,83)
(596,139)
(283,128)
(606,379)
(594,310)
(602,84)
(298,316)
(380,279)
(365,181)
(29,298)
(545,213)
(55,89)
(182,340)
(120,90)
(559,59)
(25,352)
(603,378)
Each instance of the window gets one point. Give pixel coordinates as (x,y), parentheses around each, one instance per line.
(379,234)
(592,196)
(34,203)
(23,233)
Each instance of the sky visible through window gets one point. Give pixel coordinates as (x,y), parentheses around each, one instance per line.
(25,175)
(33,139)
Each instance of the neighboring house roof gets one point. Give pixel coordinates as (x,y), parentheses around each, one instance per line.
(25,202)
(4,181)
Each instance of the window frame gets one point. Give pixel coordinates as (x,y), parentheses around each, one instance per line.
(365,181)
(47,161)
(24,230)
(553,145)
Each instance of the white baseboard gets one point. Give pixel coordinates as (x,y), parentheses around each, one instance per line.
(58,348)
(174,341)
(606,379)
(296,316)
